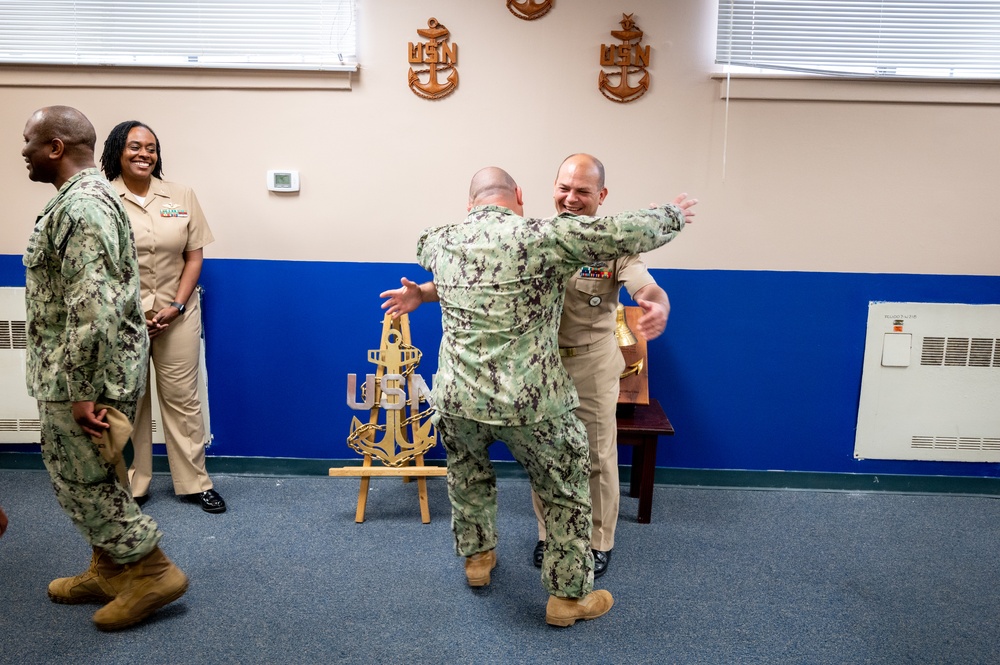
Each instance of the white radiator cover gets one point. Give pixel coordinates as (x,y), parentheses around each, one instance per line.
(19,412)
(930,386)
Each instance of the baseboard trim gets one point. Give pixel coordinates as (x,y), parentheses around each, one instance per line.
(708,478)
(810,480)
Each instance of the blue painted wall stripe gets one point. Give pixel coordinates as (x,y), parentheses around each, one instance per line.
(757,370)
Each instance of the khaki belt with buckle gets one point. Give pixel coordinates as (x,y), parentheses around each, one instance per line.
(570,351)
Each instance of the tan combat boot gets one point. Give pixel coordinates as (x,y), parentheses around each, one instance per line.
(478,567)
(146,585)
(565,611)
(97,584)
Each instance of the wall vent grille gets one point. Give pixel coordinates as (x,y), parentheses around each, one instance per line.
(20,425)
(960,352)
(955,443)
(13,335)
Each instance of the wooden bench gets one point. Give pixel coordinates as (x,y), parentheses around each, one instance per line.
(640,426)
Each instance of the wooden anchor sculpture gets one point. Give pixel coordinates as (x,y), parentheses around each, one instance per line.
(440,58)
(529,10)
(629,58)
(386,393)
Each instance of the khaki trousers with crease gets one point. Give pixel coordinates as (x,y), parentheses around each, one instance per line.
(175,354)
(596,374)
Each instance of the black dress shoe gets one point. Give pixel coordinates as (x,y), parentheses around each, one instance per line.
(211,502)
(601,560)
(538,554)
(141,500)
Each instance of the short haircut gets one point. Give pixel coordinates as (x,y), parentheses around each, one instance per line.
(68,125)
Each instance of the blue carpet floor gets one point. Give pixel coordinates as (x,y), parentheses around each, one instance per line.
(720,576)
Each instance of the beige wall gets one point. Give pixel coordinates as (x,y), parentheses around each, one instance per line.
(872,186)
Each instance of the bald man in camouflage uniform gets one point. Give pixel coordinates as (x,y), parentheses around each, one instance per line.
(88,349)
(500,279)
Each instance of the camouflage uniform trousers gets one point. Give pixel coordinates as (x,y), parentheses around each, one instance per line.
(88,489)
(556,455)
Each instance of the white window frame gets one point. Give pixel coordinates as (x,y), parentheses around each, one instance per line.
(911,39)
(184,43)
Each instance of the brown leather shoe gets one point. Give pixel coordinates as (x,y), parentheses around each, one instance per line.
(147,585)
(566,611)
(478,567)
(94,585)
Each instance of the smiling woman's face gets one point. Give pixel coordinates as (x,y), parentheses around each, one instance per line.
(139,157)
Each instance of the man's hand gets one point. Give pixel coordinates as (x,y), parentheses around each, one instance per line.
(402,300)
(685,204)
(653,320)
(90,422)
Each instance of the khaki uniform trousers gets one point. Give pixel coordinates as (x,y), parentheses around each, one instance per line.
(596,373)
(176,355)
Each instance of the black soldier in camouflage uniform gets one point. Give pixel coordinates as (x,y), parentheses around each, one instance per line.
(88,346)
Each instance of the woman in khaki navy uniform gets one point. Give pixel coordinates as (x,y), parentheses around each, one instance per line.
(170,231)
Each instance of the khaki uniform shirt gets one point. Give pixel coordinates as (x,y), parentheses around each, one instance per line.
(169,223)
(592,297)
(501,280)
(86,331)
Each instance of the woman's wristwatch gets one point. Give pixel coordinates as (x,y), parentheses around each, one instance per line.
(180,307)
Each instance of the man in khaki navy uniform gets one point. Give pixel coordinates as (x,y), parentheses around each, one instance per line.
(87,346)
(590,352)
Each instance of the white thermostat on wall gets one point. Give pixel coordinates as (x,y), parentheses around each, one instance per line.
(283,181)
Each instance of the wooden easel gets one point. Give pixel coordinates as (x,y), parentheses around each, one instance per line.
(396,362)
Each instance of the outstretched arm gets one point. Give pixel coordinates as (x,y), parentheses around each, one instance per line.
(408,297)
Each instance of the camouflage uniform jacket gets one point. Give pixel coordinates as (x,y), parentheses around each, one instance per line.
(501,282)
(86,330)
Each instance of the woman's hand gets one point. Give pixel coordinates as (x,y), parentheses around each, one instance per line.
(161,321)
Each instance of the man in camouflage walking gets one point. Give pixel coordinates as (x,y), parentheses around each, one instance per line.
(87,353)
(500,280)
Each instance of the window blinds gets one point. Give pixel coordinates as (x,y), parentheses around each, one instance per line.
(930,38)
(250,34)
